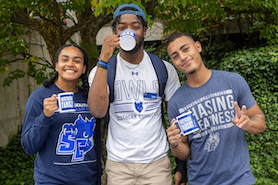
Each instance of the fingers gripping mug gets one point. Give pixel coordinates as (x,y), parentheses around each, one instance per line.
(186,123)
(66,102)
(127,40)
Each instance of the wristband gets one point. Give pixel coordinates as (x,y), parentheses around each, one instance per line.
(181,167)
(102,64)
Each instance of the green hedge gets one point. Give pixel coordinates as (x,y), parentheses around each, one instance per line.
(259,66)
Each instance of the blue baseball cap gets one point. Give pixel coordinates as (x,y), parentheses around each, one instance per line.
(139,11)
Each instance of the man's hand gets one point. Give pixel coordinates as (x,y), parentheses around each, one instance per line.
(173,134)
(241,119)
(178,177)
(110,43)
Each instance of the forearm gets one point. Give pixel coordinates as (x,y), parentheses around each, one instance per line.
(98,99)
(181,151)
(257,123)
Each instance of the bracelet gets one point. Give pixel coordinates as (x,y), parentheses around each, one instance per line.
(174,146)
(102,64)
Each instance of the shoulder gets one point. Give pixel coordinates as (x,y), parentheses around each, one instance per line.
(172,72)
(232,76)
(44,92)
(169,67)
(178,94)
(92,75)
(168,64)
(40,90)
(221,72)
(38,95)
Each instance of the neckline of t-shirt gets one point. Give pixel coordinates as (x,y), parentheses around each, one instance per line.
(205,84)
(130,65)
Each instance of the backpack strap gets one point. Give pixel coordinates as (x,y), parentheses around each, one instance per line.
(162,76)
(161,73)
(111,74)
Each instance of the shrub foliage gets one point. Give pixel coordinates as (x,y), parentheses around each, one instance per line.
(16,167)
(259,66)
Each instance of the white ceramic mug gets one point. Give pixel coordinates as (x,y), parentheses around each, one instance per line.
(127,40)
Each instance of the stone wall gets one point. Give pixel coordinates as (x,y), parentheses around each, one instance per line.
(13,98)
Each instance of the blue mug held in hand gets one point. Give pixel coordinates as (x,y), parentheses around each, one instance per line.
(186,123)
(66,102)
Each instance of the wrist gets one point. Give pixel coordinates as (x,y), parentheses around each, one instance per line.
(103,59)
(250,124)
(102,64)
(174,146)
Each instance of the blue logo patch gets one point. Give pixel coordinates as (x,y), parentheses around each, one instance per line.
(138,106)
(76,138)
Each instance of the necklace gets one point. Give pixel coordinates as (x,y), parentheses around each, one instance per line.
(128,64)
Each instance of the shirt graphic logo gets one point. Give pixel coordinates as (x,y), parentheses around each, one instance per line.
(212,142)
(134,73)
(138,106)
(76,138)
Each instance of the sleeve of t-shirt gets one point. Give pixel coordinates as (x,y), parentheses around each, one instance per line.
(173,82)
(92,75)
(172,111)
(244,95)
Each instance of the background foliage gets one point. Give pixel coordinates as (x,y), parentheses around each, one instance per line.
(16,167)
(210,20)
(259,66)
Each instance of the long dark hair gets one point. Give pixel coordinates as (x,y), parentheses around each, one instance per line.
(83,77)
